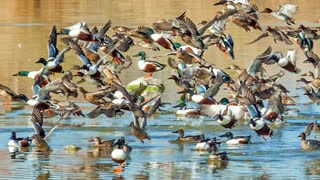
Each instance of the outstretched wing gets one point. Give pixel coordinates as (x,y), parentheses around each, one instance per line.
(266,34)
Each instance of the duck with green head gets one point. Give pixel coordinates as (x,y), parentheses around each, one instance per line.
(148,66)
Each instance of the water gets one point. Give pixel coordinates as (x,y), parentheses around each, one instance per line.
(24,28)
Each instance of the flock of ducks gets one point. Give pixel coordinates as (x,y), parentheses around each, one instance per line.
(102,59)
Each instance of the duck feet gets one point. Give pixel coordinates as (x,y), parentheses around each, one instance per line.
(148,75)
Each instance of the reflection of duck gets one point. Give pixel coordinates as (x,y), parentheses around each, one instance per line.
(188,138)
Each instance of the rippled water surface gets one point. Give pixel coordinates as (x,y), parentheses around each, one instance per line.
(24,28)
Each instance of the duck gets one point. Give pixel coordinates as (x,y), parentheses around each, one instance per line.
(284,13)
(79,30)
(233,140)
(313,126)
(215,154)
(289,62)
(206,144)
(148,66)
(12,96)
(18,142)
(308,144)
(225,44)
(226,115)
(99,142)
(121,151)
(93,97)
(257,123)
(187,138)
(276,34)
(53,63)
(139,132)
(40,143)
(35,75)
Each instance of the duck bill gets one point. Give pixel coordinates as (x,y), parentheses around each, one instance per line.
(223,135)
(15,74)
(136,55)
(175,131)
(91,140)
(264,11)
(230,53)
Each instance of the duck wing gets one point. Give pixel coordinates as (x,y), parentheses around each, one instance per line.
(8,90)
(80,54)
(266,34)
(52,43)
(100,34)
(285,38)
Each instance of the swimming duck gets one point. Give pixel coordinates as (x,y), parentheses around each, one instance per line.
(18,142)
(40,143)
(12,96)
(215,154)
(99,142)
(148,66)
(121,151)
(206,144)
(284,13)
(308,144)
(187,138)
(232,140)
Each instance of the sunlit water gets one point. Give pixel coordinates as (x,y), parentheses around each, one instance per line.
(24,27)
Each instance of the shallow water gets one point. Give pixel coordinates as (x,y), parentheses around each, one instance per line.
(24,27)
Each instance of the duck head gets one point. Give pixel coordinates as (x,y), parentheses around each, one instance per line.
(141,53)
(23,97)
(21,73)
(229,135)
(13,135)
(96,139)
(267,10)
(180,131)
(174,77)
(42,61)
(303,136)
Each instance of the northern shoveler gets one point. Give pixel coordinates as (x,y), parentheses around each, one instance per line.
(232,140)
(121,151)
(18,142)
(284,13)
(148,66)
